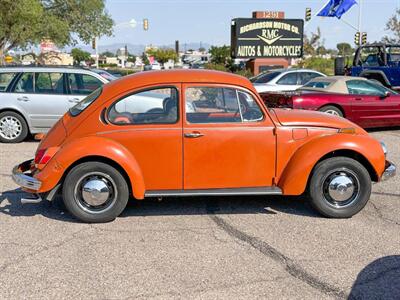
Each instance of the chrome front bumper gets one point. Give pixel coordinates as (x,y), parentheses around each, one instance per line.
(390,171)
(24,179)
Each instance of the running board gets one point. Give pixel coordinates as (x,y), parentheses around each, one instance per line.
(215,192)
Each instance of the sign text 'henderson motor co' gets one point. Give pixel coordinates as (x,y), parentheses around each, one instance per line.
(256,38)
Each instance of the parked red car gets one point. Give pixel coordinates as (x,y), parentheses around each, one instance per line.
(362,101)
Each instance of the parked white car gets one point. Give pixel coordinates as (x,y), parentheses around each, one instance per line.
(279,80)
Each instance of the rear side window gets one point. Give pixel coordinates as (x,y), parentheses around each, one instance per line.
(318,84)
(49,83)
(83,84)
(81,106)
(307,76)
(5,80)
(264,78)
(155,106)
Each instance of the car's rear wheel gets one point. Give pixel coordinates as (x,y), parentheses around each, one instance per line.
(95,192)
(13,127)
(332,110)
(339,187)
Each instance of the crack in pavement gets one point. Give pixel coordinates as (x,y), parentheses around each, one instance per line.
(381,216)
(59,244)
(386,194)
(288,264)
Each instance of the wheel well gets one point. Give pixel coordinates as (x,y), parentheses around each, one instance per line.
(17,112)
(354,155)
(102,159)
(335,105)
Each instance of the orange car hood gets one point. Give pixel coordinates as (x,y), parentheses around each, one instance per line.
(296,117)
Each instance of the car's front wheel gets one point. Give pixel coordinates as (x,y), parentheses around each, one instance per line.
(95,192)
(339,187)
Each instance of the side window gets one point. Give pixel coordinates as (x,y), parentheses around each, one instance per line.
(288,79)
(362,87)
(25,83)
(5,80)
(220,105)
(307,76)
(49,83)
(83,84)
(155,106)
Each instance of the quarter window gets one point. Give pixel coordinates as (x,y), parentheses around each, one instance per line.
(83,84)
(220,105)
(155,106)
(5,80)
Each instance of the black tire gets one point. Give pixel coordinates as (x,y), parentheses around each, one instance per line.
(331,169)
(21,123)
(74,195)
(330,109)
(340,68)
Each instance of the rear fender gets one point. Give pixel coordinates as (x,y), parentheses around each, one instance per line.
(92,146)
(295,176)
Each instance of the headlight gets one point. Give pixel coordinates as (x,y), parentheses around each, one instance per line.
(384,148)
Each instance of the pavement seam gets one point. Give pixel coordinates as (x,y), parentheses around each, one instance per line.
(288,264)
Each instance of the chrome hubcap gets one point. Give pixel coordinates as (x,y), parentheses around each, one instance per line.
(341,188)
(10,127)
(95,192)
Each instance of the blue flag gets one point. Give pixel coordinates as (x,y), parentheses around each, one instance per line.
(336,8)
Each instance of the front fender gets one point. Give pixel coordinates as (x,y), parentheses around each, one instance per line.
(91,146)
(296,173)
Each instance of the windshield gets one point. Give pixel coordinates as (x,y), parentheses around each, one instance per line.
(81,106)
(265,77)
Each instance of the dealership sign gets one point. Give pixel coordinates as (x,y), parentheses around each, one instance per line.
(261,38)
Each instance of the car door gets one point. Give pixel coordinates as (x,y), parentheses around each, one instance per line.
(288,82)
(42,96)
(228,139)
(371,106)
(80,85)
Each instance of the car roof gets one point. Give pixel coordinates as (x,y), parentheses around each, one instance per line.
(64,69)
(180,76)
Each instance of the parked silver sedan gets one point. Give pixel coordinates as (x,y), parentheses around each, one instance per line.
(32,99)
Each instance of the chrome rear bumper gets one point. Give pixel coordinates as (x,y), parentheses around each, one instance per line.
(23,179)
(390,171)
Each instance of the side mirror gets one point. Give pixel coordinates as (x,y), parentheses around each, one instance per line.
(387,94)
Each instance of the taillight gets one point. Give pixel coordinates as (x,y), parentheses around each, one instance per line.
(43,156)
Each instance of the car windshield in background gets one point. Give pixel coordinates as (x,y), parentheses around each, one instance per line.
(81,106)
(265,77)
(317,84)
(105,74)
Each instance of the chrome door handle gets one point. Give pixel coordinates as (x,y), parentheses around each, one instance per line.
(193,135)
(358,98)
(24,98)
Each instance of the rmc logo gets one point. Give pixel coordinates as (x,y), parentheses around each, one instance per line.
(269,36)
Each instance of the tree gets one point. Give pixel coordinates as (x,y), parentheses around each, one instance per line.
(344,49)
(27,22)
(163,55)
(321,50)
(313,42)
(79,55)
(202,49)
(145,59)
(393,25)
(220,55)
(131,58)
(108,54)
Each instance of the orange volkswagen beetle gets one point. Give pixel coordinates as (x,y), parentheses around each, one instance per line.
(197,133)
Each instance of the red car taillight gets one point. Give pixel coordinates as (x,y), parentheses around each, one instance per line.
(43,156)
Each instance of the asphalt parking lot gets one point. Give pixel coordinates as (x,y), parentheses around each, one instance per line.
(214,248)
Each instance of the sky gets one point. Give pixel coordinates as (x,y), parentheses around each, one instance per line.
(209,21)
